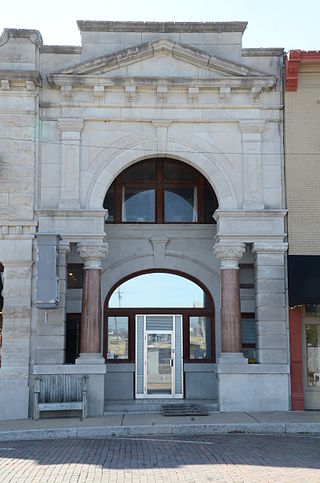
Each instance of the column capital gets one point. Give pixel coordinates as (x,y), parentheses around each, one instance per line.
(70,124)
(64,247)
(229,254)
(92,254)
(254,126)
(272,247)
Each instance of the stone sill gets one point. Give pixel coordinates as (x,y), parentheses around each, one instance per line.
(47,369)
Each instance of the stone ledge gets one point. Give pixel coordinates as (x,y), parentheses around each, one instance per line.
(47,369)
(161,27)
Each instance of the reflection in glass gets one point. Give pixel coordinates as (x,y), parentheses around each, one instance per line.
(312,310)
(109,204)
(180,205)
(117,338)
(143,171)
(138,205)
(159,371)
(200,337)
(210,203)
(159,290)
(313,354)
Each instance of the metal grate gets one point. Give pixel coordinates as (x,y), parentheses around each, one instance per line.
(184,410)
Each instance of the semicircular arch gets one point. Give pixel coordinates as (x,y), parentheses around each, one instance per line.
(197,153)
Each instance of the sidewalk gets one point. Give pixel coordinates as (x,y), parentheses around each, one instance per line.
(154,424)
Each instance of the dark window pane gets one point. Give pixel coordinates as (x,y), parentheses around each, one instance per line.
(75,275)
(248,331)
(178,171)
(138,205)
(210,204)
(118,328)
(109,203)
(200,337)
(143,171)
(180,205)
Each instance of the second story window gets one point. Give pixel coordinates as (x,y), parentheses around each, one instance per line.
(160,191)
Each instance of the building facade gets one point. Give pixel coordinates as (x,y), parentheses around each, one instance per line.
(303,203)
(148,164)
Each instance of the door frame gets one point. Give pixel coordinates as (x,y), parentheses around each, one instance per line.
(311,394)
(173,394)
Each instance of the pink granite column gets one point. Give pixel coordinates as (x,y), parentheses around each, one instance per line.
(90,338)
(230,296)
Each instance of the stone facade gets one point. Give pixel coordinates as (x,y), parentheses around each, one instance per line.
(72,119)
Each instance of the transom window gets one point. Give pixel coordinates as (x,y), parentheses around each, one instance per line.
(160,191)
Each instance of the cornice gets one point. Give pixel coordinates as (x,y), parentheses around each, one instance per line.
(263,52)
(262,83)
(164,27)
(293,60)
(61,49)
(147,50)
(12,76)
(33,35)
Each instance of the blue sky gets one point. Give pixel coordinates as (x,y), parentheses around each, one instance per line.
(272,23)
(158,290)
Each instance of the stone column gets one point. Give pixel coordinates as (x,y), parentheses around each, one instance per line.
(70,162)
(271,315)
(230,254)
(90,339)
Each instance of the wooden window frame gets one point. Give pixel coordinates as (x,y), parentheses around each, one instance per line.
(131,313)
(159,185)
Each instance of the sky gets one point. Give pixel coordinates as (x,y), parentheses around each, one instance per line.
(273,23)
(157,290)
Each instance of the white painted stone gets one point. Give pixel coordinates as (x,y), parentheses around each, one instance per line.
(191,94)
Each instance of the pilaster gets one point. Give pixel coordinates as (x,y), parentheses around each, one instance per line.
(70,130)
(271,312)
(251,136)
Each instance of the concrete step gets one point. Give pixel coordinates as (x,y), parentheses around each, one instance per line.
(140,406)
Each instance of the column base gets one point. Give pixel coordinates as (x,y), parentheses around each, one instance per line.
(90,358)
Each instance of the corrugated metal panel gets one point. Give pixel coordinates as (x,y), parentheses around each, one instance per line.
(178,355)
(159,322)
(140,353)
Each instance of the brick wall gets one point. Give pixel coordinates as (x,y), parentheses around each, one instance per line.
(302,143)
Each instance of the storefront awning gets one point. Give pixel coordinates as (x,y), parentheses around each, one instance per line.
(304,279)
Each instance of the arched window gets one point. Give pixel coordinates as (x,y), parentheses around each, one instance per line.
(160,191)
(159,293)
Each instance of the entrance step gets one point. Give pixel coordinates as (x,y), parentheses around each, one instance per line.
(184,410)
(138,406)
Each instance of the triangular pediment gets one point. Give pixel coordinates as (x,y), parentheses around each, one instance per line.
(160,57)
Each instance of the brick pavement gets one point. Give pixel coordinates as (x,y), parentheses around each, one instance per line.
(238,457)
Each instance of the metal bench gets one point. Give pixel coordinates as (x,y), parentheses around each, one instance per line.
(60,392)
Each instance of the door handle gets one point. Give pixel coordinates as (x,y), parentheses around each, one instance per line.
(171,363)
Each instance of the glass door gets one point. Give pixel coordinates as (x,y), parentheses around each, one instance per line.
(311,359)
(159,364)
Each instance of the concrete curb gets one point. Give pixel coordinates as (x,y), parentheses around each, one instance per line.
(157,429)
